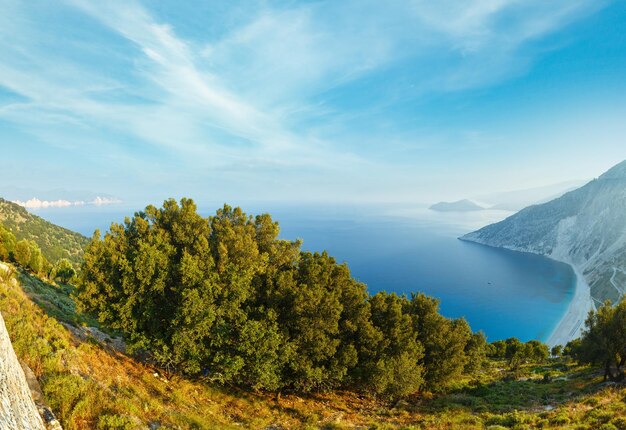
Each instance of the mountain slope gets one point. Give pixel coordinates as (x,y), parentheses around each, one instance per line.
(55,242)
(586,227)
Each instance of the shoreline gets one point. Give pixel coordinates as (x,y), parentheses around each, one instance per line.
(572,322)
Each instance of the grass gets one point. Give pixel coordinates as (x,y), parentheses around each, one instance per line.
(90,386)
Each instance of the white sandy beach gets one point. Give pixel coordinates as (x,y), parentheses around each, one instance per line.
(573,321)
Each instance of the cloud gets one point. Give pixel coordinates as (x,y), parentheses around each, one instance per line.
(285,89)
(101,201)
(36,203)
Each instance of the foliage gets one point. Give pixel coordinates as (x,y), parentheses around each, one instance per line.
(226,298)
(7,244)
(444,341)
(64,270)
(391,361)
(27,254)
(604,339)
(556,351)
(517,353)
(89,386)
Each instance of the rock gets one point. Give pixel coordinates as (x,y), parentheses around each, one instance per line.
(35,390)
(17,408)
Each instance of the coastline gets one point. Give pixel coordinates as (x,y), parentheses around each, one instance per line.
(572,323)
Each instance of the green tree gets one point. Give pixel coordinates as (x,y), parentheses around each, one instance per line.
(444,341)
(536,352)
(36,262)
(572,349)
(322,310)
(497,349)
(604,339)
(28,255)
(22,253)
(514,352)
(476,352)
(7,244)
(556,351)
(393,362)
(180,287)
(64,271)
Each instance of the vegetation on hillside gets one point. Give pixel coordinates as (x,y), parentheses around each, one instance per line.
(604,340)
(26,254)
(55,242)
(225,298)
(89,385)
(272,317)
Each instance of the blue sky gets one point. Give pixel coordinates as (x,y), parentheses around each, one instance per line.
(333,101)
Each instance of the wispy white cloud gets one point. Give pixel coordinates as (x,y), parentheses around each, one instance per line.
(269,94)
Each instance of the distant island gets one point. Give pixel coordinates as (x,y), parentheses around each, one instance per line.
(464,205)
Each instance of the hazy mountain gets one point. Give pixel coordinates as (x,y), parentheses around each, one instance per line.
(458,206)
(586,227)
(519,199)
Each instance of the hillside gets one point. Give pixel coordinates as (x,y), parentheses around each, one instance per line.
(89,384)
(585,227)
(55,242)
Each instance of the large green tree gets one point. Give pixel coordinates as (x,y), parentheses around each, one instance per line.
(225,297)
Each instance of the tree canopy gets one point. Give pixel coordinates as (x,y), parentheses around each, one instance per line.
(604,340)
(225,297)
(517,353)
(7,244)
(64,271)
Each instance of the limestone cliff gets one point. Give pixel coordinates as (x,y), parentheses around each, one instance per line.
(586,227)
(17,408)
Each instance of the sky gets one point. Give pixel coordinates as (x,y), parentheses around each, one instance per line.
(308,101)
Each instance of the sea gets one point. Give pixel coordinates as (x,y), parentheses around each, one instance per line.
(407,249)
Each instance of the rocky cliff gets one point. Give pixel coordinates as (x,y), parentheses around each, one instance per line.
(17,408)
(585,227)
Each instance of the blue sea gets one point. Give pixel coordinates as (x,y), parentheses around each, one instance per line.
(406,249)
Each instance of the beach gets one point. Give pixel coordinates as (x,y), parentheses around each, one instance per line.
(573,321)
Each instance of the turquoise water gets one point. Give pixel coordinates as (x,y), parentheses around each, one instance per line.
(404,250)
